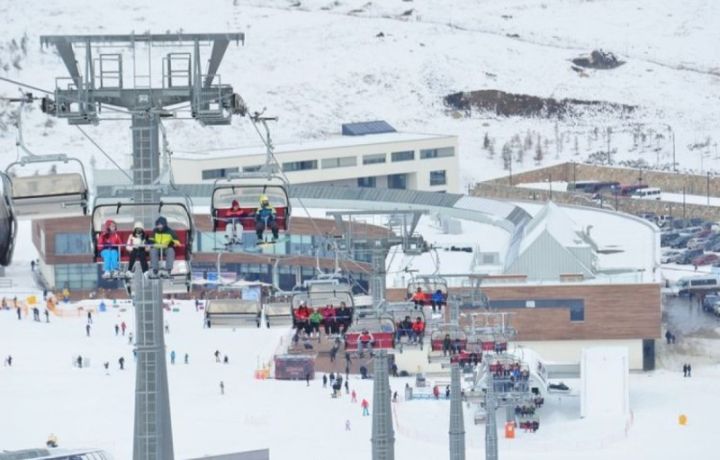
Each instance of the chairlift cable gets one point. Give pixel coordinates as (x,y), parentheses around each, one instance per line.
(104,152)
(25,85)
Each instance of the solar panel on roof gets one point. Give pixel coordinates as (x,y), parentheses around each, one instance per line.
(367,127)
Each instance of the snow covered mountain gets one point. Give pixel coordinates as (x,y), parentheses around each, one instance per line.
(318,63)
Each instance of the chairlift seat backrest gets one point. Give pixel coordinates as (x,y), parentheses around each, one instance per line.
(57,195)
(233,307)
(48,185)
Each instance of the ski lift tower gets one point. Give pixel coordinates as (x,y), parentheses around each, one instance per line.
(495,326)
(149,87)
(401,231)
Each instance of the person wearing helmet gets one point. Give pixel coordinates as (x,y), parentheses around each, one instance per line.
(164,241)
(136,247)
(265,216)
(109,244)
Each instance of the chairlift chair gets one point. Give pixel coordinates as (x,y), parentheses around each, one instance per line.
(233,312)
(49,195)
(429,284)
(382,330)
(8,223)
(397,312)
(125,211)
(246,189)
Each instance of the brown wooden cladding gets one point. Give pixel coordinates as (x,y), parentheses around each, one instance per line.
(612,311)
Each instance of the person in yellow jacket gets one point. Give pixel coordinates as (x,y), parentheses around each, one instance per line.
(265,216)
(164,241)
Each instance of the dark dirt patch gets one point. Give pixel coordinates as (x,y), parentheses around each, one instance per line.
(508,104)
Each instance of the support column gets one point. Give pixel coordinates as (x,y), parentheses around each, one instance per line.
(491,439)
(378,280)
(146,158)
(383,434)
(153,429)
(457,422)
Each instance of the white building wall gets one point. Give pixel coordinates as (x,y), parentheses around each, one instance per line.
(189,170)
(570,351)
(604,382)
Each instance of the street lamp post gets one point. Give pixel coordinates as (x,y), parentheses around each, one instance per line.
(707,188)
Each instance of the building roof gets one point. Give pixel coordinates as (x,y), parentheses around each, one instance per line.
(558,224)
(332,142)
(552,245)
(367,127)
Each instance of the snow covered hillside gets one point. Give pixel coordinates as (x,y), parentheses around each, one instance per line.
(318,63)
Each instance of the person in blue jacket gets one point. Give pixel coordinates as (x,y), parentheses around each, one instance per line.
(437,300)
(265,216)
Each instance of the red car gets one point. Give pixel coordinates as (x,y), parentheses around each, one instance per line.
(706,259)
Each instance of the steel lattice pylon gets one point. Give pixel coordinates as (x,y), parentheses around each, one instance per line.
(383,434)
(153,426)
(457,423)
(103,83)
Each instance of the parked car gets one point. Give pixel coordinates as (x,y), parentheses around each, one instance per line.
(697,221)
(691,231)
(716,309)
(710,301)
(651,216)
(680,223)
(687,257)
(667,237)
(664,220)
(670,256)
(680,242)
(705,259)
(711,241)
(696,243)
(715,247)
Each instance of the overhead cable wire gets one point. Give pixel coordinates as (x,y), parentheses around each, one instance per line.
(104,152)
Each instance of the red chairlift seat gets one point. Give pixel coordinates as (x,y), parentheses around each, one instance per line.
(246,189)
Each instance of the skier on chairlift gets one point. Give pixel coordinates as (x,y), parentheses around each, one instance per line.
(234,223)
(136,247)
(164,241)
(109,246)
(265,217)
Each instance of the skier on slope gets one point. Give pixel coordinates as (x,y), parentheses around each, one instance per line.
(365,407)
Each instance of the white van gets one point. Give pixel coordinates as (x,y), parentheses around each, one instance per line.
(650,193)
(697,283)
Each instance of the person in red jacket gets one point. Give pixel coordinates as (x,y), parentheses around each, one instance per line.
(419,298)
(109,244)
(328,314)
(302,315)
(365,340)
(234,217)
(365,407)
(418,329)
